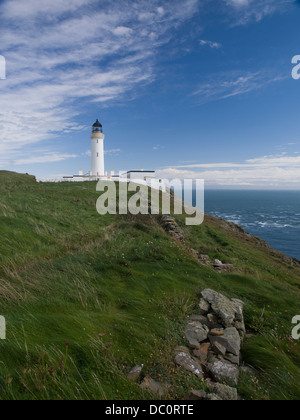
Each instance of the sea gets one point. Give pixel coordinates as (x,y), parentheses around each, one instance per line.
(272,215)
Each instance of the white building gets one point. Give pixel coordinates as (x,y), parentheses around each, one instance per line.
(141,175)
(98,172)
(97,138)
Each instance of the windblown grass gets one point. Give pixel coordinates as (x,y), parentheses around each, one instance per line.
(86,297)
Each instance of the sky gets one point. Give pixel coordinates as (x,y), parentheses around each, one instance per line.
(189,88)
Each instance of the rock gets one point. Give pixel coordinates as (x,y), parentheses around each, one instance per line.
(239,316)
(212,319)
(134,374)
(213,397)
(154,387)
(204,307)
(228,311)
(171,227)
(223,371)
(189,363)
(200,318)
(181,348)
(239,309)
(230,340)
(211,357)
(196,333)
(202,353)
(217,333)
(240,302)
(209,383)
(168,220)
(226,393)
(226,268)
(195,396)
(232,358)
(204,259)
(240,326)
(219,349)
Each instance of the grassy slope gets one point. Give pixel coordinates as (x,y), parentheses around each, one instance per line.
(119,291)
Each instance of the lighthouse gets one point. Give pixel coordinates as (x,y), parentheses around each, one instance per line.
(97,164)
(97,138)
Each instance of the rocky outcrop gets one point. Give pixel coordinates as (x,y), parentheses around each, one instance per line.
(229,339)
(223,268)
(171,227)
(135,373)
(229,312)
(215,336)
(226,393)
(184,359)
(223,371)
(195,395)
(219,393)
(216,265)
(195,333)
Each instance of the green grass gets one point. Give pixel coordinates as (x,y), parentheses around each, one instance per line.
(86,297)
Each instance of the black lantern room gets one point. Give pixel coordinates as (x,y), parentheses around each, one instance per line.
(97,127)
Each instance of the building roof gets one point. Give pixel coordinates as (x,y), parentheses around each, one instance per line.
(97,124)
(133,172)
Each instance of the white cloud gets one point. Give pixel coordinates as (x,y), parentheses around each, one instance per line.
(122,31)
(238,3)
(63,55)
(246,11)
(158,147)
(210,44)
(226,85)
(280,171)
(49,157)
(112,151)
(265,162)
(107,152)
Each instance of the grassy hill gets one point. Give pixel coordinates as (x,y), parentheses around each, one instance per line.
(87,297)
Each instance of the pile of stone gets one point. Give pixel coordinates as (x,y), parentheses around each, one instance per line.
(223,268)
(215,336)
(217,265)
(219,392)
(171,227)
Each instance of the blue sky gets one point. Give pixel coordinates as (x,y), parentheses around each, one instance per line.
(190,88)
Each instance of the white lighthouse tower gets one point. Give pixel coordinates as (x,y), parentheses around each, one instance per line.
(97,137)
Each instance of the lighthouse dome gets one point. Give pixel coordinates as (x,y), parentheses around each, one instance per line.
(97,124)
(97,127)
